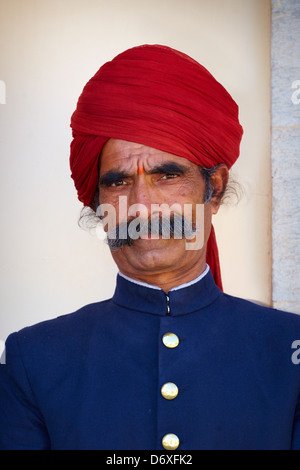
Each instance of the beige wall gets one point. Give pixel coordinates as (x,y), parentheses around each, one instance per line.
(49,49)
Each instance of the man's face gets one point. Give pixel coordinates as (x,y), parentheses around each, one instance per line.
(148,176)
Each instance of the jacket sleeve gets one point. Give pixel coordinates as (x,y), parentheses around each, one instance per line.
(21,423)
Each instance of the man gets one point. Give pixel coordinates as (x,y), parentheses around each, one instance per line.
(170,362)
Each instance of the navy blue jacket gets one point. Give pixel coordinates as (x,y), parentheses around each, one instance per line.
(92,379)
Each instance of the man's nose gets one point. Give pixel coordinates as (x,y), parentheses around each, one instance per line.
(142,192)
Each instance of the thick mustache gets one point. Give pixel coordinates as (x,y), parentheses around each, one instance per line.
(173,226)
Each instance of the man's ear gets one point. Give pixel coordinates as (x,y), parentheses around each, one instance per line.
(218,180)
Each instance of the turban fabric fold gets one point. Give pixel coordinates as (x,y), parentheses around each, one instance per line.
(159,97)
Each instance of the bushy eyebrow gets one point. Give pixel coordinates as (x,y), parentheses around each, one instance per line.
(168,167)
(113,176)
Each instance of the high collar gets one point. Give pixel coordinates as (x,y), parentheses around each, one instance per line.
(180,301)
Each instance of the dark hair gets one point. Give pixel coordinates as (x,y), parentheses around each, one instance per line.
(232,190)
(207,174)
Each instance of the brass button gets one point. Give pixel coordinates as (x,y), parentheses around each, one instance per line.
(170,442)
(170,340)
(169,391)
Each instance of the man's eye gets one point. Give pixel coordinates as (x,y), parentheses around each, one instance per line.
(118,183)
(168,176)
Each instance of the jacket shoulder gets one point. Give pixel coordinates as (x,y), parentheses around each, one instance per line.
(258,313)
(60,333)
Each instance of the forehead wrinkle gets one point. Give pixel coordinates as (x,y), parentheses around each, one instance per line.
(129,164)
(120,165)
(129,157)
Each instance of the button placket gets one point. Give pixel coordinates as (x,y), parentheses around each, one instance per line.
(169,389)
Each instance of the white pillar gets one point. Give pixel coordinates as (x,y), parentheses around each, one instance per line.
(285,51)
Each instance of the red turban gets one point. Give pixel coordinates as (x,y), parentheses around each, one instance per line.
(162,98)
